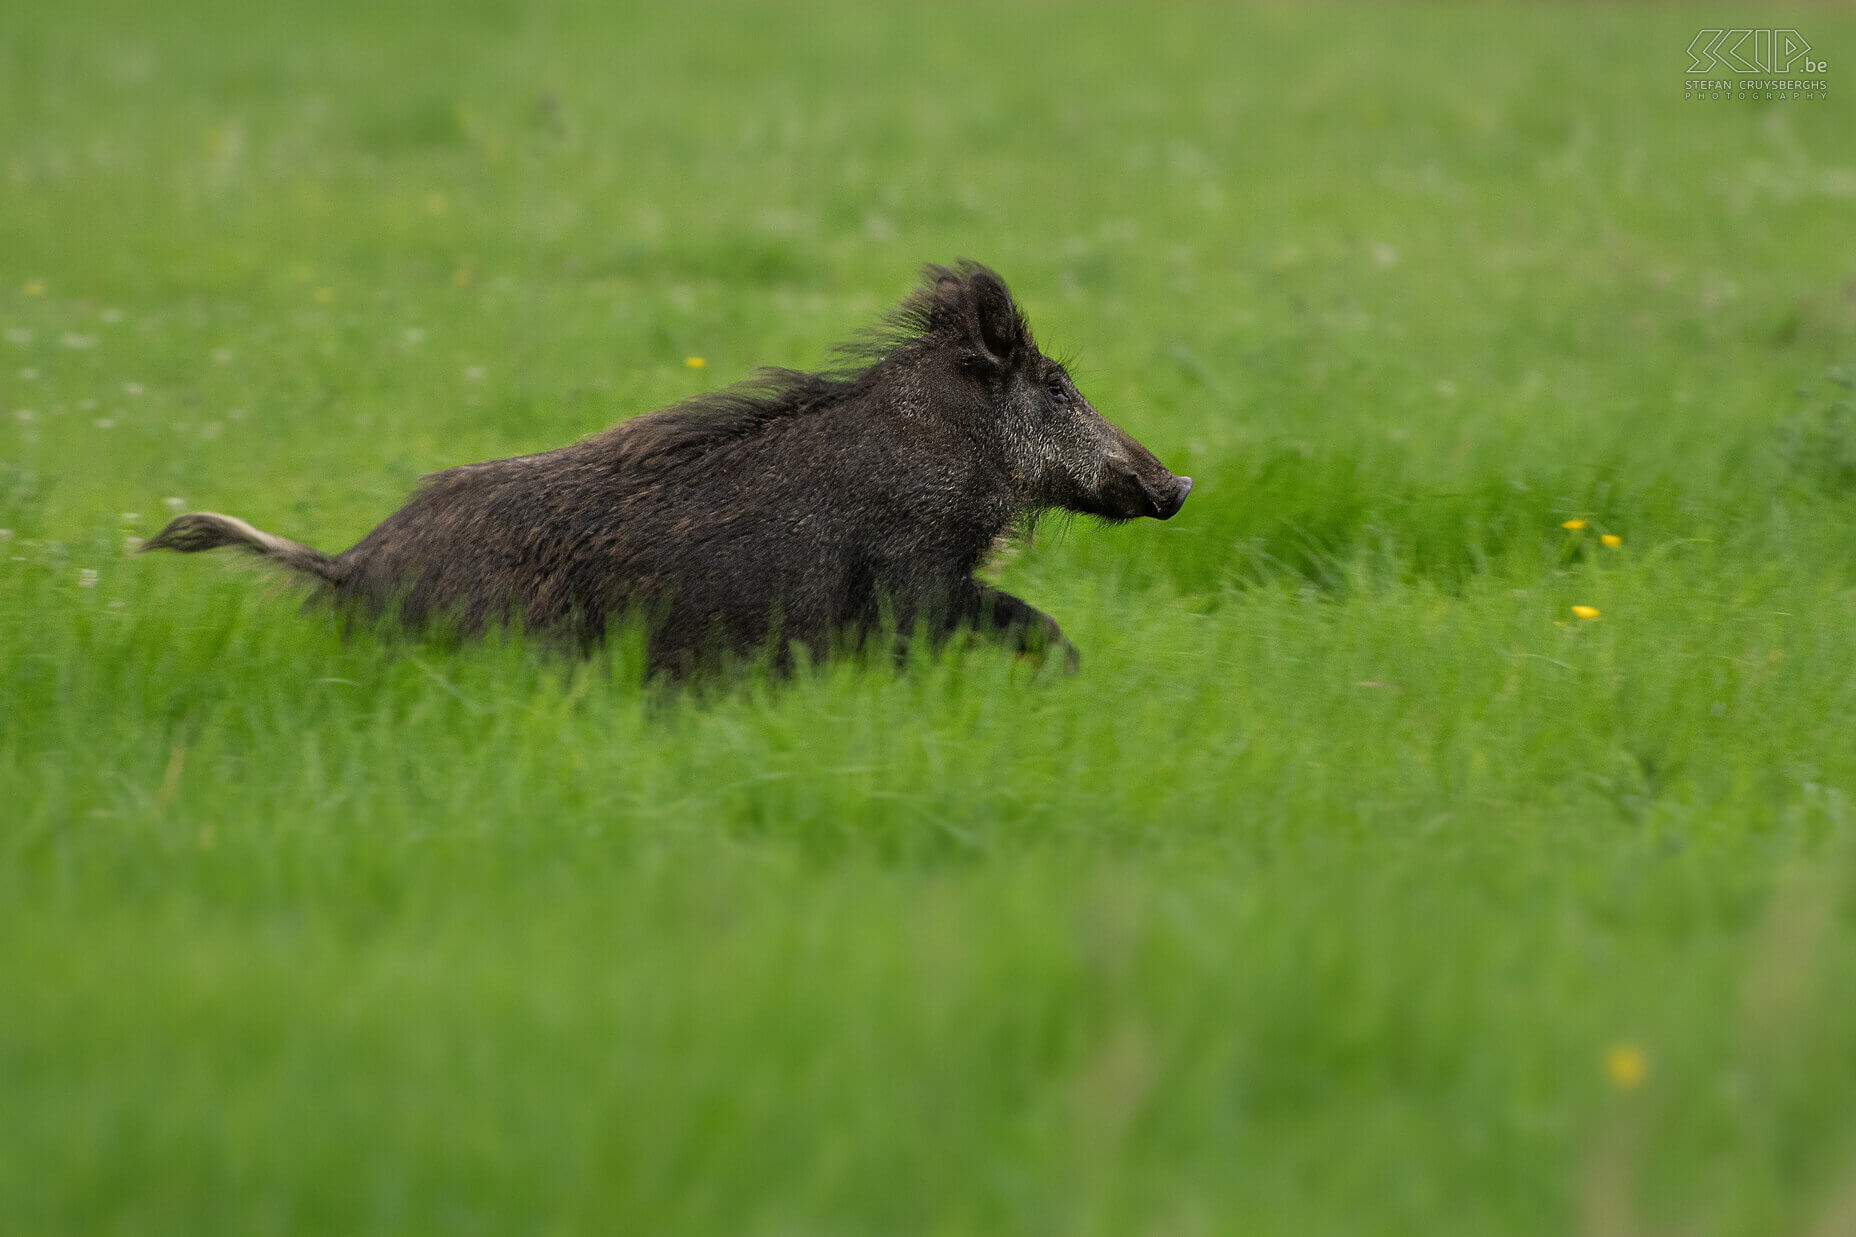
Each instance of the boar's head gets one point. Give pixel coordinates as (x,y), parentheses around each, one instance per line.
(1059,450)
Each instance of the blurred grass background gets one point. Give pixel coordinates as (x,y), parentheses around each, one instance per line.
(1354,886)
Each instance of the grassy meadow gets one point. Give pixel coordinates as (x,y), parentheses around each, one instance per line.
(1357,884)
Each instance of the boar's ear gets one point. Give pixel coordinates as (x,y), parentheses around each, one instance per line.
(1000,328)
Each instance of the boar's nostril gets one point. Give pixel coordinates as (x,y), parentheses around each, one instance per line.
(1167,506)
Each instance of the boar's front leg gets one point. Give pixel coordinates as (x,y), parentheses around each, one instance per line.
(1022,625)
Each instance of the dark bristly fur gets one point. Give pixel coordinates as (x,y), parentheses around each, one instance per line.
(799,508)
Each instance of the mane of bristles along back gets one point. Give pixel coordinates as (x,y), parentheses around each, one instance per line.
(698,424)
(936,315)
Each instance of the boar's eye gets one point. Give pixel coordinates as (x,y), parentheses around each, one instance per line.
(1059,389)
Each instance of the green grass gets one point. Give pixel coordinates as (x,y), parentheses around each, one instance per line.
(1314,904)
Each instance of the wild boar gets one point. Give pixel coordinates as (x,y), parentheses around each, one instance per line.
(797,509)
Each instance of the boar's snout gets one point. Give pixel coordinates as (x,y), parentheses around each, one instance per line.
(1168,507)
(1133,482)
(1141,488)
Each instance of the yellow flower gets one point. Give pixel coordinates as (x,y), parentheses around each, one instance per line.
(324,295)
(1575,524)
(1585,612)
(694,362)
(1626,1066)
(1611,539)
(34,287)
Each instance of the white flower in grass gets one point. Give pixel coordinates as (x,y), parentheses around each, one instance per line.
(222,356)
(105,423)
(25,416)
(111,316)
(132,388)
(18,335)
(176,505)
(87,577)
(132,517)
(28,374)
(75,340)
(473,373)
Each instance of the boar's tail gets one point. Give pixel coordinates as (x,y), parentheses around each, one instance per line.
(208,530)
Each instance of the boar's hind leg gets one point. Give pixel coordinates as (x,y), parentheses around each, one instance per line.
(1024,626)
